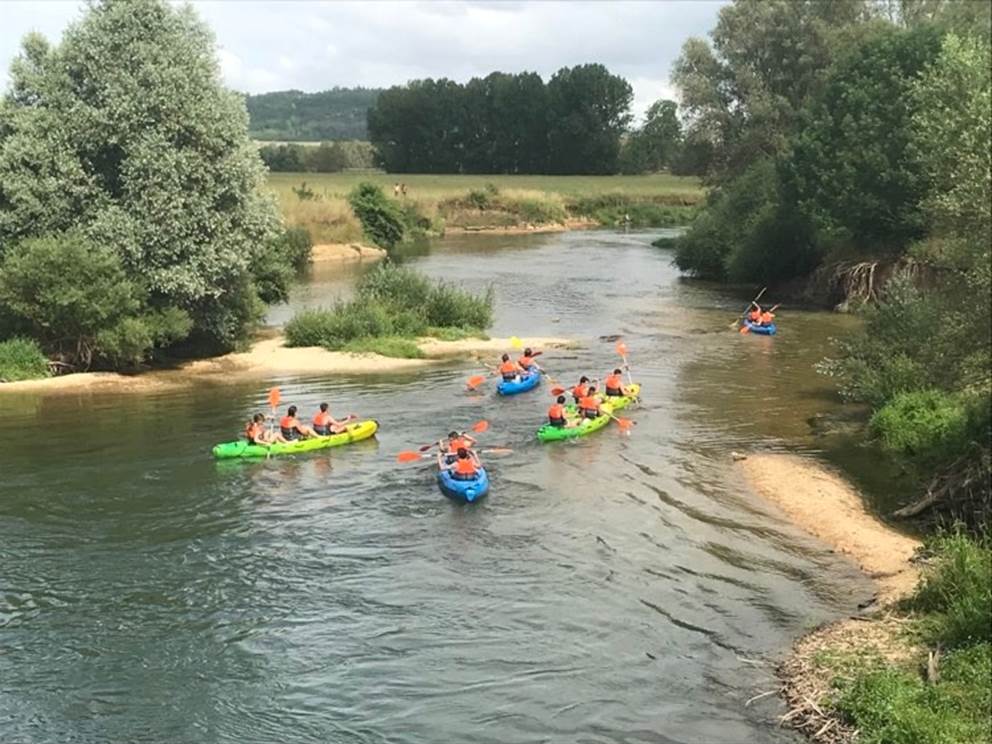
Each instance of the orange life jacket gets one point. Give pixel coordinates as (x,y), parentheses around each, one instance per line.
(589,403)
(464,466)
(253,431)
(525,361)
(288,425)
(323,418)
(556,412)
(767,318)
(458,443)
(508,368)
(613,382)
(580,390)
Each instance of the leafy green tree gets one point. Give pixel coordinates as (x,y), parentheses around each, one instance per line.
(655,145)
(150,158)
(295,116)
(381,218)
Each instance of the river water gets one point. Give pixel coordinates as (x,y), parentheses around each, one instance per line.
(611,589)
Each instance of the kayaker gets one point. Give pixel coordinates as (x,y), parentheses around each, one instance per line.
(456,442)
(614,384)
(754,315)
(465,466)
(766,318)
(255,432)
(325,424)
(509,369)
(527,362)
(580,390)
(291,428)
(589,404)
(556,414)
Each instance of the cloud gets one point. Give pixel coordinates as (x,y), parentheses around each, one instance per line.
(313,44)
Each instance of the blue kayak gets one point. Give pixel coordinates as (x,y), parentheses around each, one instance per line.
(764,330)
(522,384)
(463,490)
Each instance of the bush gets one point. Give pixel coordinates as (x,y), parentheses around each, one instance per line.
(21,359)
(381,218)
(128,343)
(956,592)
(276,266)
(450,307)
(333,328)
(930,424)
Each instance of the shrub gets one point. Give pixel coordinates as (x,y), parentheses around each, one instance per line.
(451,307)
(396,285)
(128,343)
(929,424)
(477,198)
(333,328)
(956,591)
(21,359)
(381,218)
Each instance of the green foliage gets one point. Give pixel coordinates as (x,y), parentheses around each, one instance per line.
(127,344)
(150,159)
(22,359)
(656,144)
(291,115)
(956,592)
(325,157)
(381,218)
(388,346)
(927,423)
(277,263)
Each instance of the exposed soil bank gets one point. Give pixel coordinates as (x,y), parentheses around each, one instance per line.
(270,357)
(346,252)
(580,223)
(828,507)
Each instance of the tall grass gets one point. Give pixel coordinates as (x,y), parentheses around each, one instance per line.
(393,304)
(21,359)
(327,219)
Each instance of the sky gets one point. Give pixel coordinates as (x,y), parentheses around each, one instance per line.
(312,45)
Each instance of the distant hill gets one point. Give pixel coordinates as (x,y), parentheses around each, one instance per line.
(295,116)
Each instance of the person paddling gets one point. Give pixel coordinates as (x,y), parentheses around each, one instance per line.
(456,442)
(509,369)
(556,414)
(324,424)
(255,432)
(614,384)
(292,429)
(526,362)
(754,314)
(580,390)
(766,318)
(589,404)
(464,467)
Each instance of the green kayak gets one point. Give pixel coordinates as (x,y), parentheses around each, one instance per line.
(353,433)
(549,433)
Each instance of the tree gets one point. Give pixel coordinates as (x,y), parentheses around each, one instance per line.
(150,158)
(654,146)
(589,110)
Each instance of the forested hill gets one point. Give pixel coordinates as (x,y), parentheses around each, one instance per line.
(294,116)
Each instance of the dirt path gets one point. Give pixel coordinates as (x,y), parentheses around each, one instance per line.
(830,508)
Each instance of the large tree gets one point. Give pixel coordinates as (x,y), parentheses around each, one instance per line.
(124,134)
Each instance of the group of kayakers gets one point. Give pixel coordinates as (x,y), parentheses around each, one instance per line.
(587,399)
(457,456)
(511,370)
(290,428)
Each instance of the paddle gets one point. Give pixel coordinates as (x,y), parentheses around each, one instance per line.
(738,320)
(621,348)
(273,404)
(478,427)
(476,380)
(624,423)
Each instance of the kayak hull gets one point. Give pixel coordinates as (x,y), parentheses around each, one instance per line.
(761,330)
(549,433)
(463,490)
(526,382)
(353,433)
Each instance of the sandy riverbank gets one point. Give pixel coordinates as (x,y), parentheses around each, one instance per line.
(828,507)
(527,229)
(346,252)
(268,358)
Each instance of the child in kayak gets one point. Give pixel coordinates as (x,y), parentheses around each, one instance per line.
(292,429)
(580,390)
(255,432)
(526,362)
(556,414)
(589,404)
(509,369)
(614,384)
(465,466)
(456,442)
(324,424)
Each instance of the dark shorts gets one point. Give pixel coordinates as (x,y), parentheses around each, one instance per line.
(509,378)
(290,436)
(560,423)
(614,392)
(590,414)
(322,430)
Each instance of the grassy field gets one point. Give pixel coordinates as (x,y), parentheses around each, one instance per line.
(506,201)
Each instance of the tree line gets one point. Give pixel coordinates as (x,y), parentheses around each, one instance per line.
(327,157)
(845,136)
(295,116)
(577,122)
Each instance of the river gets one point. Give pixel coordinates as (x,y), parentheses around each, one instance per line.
(611,589)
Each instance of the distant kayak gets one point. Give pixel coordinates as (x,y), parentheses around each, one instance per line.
(763,330)
(522,384)
(352,433)
(549,433)
(463,490)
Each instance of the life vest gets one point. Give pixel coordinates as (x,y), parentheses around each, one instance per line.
(556,415)
(613,383)
(288,426)
(464,467)
(458,443)
(253,431)
(322,423)
(767,318)
(526,362)
(580,391)
(508,370)
(589,403)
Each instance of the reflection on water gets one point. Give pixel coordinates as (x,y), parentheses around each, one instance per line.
(610,589)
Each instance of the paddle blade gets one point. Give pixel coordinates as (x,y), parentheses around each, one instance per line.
(427,447)
(497,451)
(556,391)
(625,425)
(480,426)
(274,398)
(474,382)
(408,456)
(516,343)
(621,348)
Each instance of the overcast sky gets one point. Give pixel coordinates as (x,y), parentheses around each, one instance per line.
(311,45)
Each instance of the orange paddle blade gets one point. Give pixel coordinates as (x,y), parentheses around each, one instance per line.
(625,424)
(474,382)
(274,398)
(408,456)
(480,426)
(621,348)
(557,391)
